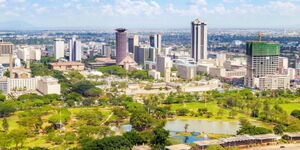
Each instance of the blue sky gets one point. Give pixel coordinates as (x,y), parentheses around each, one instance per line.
(109,14)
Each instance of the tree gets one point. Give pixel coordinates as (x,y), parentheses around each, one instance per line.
(247,128)
(90,116)
(18,136)
(121,113)
(109,143)
(5,140)
(141,121)
(134,137)
(160,138)
(5,125)
(296,113)
(83,86)
(279,129)
(182,112)
(6,109)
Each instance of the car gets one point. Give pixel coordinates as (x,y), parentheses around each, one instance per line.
(282,146)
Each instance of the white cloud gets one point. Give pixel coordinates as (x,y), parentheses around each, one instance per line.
(41,10)
(67,5)
(95,1)
(11,14)
(132,7)
(19,1)
(199,2)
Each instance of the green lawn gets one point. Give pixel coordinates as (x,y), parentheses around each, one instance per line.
(211,106)
(289,107)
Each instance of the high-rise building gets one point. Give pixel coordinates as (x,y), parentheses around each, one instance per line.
(199,40)
(155,41)
(133,42)
(75,49)
(262,60)
(121,44)
(141,55)
(59,48)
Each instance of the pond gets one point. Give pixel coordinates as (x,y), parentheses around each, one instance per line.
(206,126)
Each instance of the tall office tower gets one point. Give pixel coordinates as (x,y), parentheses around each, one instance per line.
(155,41)
(6,53)
(141,55)
(133,42)
(199,40)
(262,60)
(121,44)
(75,49)
(59,48)
(152,54)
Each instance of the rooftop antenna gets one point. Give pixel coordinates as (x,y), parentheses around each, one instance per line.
(260,36)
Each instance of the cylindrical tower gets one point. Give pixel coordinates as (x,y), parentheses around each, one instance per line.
(121,41)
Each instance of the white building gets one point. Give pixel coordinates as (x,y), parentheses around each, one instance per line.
(29,53)
(155,74)
(163,62)
(48,85)
(272,82)
(22,84)
(59,48)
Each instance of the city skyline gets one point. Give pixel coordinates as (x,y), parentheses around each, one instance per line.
(108,14)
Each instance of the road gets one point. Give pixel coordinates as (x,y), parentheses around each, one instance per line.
(277,147)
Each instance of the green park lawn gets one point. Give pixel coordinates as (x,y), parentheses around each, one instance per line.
(289,107)
(211,106)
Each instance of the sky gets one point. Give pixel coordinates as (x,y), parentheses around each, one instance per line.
(148,14)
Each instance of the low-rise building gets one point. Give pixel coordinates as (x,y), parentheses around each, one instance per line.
(48,85)
(155,74)
(272,82)
(187,71)
(67,66)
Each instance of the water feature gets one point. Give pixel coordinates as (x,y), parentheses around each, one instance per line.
(206,126)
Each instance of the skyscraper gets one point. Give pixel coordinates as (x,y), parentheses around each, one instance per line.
(199,40)
(262,60)
(133,42)
(121,44)
(155,41)
(75,49)
(59,48)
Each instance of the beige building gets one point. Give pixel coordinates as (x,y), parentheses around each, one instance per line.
(187,71)
(48,85)
(22,84)
(155,74)
(67,66)
(272,82)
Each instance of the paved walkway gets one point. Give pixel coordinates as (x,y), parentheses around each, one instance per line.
(277,147)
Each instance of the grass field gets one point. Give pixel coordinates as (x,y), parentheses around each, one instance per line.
(289,107)
(211,106)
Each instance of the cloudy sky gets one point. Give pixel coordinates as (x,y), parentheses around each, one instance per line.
(108,14)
